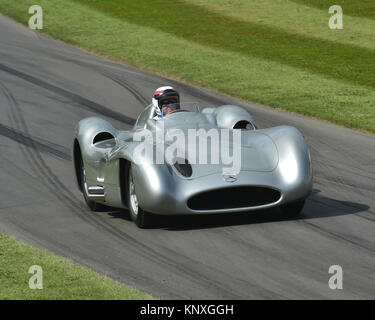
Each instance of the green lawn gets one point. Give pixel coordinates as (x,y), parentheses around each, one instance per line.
(280,53)
(62,279)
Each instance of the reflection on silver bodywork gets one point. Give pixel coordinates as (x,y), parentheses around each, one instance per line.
(275,166)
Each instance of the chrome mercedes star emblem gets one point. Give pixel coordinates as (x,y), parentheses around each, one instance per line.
(230,179)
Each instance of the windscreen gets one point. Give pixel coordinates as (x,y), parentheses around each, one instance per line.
(170,108)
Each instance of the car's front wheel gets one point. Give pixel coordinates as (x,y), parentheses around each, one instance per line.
(141,218)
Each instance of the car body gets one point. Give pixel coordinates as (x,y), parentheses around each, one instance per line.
(275,167)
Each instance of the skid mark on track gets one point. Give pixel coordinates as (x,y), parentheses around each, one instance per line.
(126,85)
(29,148)
(120,80)
(337,236)
(79,100)
(28,141)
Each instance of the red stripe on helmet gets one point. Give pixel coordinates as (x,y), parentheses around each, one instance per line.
(158,92)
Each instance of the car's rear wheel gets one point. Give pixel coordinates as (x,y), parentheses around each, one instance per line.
(141,218)
(94,206)
(293,209)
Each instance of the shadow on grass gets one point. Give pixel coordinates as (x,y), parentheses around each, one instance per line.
(317,206)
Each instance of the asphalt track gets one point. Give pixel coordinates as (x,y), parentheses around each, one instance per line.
(46,87)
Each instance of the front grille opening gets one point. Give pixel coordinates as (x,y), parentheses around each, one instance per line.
(236,197)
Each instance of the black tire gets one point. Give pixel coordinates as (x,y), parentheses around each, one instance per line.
(94,206)
(293,209)
(140,217)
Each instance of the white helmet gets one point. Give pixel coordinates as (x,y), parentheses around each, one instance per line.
(167,94)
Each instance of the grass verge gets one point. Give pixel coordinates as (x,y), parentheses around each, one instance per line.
(278,53)
(62,279)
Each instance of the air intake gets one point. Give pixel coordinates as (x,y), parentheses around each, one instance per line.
(235,197)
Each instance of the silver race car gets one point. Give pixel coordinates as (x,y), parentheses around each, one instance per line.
(130,169)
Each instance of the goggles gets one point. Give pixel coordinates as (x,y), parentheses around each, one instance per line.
(168,100)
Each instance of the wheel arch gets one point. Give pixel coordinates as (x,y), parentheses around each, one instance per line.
(231,117)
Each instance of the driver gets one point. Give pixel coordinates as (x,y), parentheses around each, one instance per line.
(166,100)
